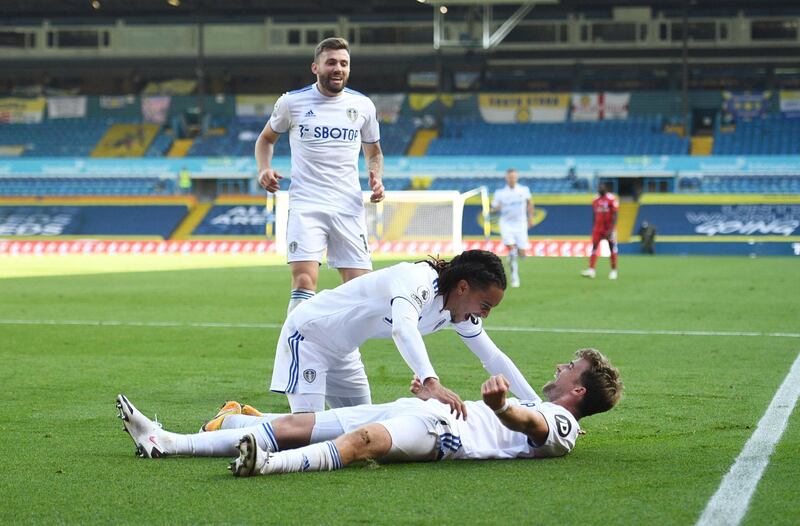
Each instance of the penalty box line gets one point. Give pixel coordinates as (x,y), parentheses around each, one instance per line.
(498,328)
(729,504)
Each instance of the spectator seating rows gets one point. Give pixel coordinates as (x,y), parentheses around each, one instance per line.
(537,185)
(736,184)
(160,146)
(773,135)
(73,186)
(237,139)
(56,138)
(634,136)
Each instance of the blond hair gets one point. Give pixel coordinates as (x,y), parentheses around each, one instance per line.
(602,383)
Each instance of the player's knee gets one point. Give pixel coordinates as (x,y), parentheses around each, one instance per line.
(366,444)
(363,437)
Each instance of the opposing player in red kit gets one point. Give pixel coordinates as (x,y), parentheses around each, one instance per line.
(604,209)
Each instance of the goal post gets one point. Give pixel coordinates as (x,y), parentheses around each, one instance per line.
(409,221)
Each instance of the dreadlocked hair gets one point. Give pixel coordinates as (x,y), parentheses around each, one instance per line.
(479,268)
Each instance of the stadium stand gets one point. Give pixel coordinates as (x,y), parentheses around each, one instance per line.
(75,186)
(160,145)
(757,184)
(56,138)
(538,185)
(772,134)
(633,136)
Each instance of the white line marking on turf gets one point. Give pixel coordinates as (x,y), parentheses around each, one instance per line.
(223,325)
(729,504)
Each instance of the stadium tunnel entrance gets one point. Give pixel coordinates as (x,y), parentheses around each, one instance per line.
(632,188)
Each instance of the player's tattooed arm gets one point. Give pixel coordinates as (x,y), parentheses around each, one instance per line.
(374,158)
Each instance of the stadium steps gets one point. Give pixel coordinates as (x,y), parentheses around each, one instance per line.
(422,139)
(180,147)
(626,221)
(190,222)
(702,145)
(126,140)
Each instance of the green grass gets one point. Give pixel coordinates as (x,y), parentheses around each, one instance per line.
(691,402)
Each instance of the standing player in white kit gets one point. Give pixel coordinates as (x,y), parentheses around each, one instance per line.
(328,124)
(513,203)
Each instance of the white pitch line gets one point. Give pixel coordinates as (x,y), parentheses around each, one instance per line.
(567,330)
(729,504)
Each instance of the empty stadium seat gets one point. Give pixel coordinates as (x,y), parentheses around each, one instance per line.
(633,136)
(73,186)
(771,135)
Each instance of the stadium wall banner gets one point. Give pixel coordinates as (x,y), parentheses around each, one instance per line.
(15,110)
(66,107)
(499,108)
(170,87)
(388,106)
(790,103)
(235,220)
(744,105)
(116,102)
(255,105)
(437,166)
(543,248)
(551,220)
(100,220)
(714,221)
(155,108)
(600,106)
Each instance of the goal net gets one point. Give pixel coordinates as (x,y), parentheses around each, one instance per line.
(424,221)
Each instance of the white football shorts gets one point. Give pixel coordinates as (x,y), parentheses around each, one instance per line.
(309,233)
(304,367)
(420,430)
(515,234)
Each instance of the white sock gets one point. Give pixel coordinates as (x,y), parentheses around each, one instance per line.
(316,457)
(239,421)
(512,261)
(220,443)
(298,296)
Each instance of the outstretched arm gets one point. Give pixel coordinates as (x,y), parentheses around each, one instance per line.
(408,340)
(496,362)
(516,418)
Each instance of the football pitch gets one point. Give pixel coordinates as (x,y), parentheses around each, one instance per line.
(703,345)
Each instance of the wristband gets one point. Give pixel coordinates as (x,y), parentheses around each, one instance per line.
(503,409)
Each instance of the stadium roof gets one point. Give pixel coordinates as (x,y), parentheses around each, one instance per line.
(239,8)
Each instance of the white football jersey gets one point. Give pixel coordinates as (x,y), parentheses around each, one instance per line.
(513,203)
(484,436)
(343,318)
(325,136)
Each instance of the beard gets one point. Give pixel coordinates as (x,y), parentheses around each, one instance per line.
(326,83)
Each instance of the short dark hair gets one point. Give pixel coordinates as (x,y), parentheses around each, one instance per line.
(331,43)
(480,268)
(602,383)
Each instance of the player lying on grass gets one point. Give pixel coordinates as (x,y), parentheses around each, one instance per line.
(408,430)
(317,358)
